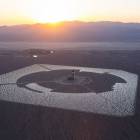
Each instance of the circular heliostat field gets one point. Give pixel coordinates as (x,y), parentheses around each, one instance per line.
(95,90)
(59,81)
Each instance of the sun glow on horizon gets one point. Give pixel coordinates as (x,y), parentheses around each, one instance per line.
(52,11)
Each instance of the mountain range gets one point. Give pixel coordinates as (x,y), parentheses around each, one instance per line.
(73,32)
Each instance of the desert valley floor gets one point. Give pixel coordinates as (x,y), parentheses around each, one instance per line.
(38,111)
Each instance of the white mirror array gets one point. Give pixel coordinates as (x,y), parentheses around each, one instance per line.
(119,102)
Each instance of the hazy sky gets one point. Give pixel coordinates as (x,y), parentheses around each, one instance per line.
(34,11)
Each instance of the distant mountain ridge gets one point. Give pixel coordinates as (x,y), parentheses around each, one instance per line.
(73,32)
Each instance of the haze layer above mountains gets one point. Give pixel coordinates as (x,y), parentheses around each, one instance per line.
(73,32)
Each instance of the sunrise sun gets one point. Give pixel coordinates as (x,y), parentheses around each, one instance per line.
(52,11)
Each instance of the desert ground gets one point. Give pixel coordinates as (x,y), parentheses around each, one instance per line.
(20,121)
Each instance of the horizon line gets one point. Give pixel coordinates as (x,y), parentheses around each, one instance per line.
(67,21)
